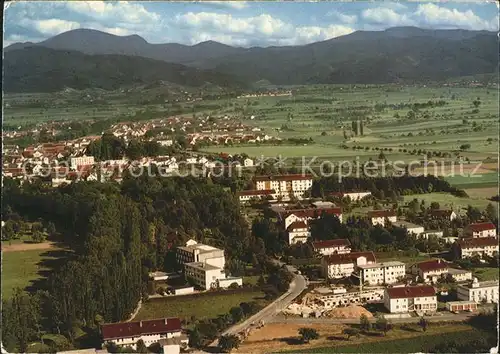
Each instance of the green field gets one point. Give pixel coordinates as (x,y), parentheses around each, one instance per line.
(22,268)
(447,200)
(404,345)
(486,273)
(205,306)
(477,181)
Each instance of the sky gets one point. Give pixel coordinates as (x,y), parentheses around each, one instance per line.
(239,23)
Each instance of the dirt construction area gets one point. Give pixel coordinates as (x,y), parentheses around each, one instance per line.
(27,246)
(275,337)
(351,311)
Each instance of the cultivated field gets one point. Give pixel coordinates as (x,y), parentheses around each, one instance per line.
(208,305)
(447,200)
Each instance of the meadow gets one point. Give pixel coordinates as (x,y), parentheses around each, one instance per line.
(447,200)
(207,305)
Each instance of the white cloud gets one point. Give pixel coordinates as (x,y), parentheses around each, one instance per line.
(437,16)
(232,4)
(53,26)
(121,11)
(344,18)
(309,34)
(386,16)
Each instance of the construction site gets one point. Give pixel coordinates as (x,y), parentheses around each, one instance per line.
(335,302)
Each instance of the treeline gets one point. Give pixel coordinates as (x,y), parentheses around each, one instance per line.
(402,185)
(118,234)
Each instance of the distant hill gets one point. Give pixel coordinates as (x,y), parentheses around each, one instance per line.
(399,54)
(39,69)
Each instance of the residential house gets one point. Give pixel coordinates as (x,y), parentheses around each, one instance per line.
(127,334)
(404,299)
(344,265)
(378,217)
(381,273)
(329,247)
(354,196)
(248,195)
(443,214)
(430,271)
(248,162)
(298,231)
(478,292)
(82,160)
(412,229)
(289,216)
(484,229)
(469,247)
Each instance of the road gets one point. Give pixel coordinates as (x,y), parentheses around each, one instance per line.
(297,285)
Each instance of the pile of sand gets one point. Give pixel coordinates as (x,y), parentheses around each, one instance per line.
(351,311)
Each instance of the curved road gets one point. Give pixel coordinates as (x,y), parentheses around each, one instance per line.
(297,285)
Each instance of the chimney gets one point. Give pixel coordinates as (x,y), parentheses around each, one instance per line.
(140,323)
(165,321)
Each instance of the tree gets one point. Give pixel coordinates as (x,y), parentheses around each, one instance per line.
(351,332)
(236,314)
(491,211)
(141,347)
(464,147)
(308,334)
(364,323)
(383,325)
(38,237)
(423,323)
(195,338)
(228,343)
(51,228)
(476,102)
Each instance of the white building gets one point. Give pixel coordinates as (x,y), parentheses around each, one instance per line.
(329,247)
(248,195)
(82,160)
(204,266)
(248,162)
(285,185)
(126,334)
(430,271)
(404,299)
(469,247)
(460,275)
(431,233)
(412,229)
(298,231)
(378,217)
(381,273)
(479,291)
(484,229)
(354,196)
(344,265)
(444,214)
(290,216)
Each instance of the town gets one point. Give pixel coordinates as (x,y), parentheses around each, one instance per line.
(234,177)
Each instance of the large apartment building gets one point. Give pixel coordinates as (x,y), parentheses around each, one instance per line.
(285,186)
(478,291)
(381,273)
(344,265)
(329,247)
(483,229)
(421,299)
(469,247)
(378,217)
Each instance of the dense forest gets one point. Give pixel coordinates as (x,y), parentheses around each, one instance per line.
(117,235)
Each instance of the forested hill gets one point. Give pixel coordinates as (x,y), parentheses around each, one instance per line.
(39,69)
(400,54)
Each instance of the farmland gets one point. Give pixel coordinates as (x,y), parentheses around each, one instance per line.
(447,200)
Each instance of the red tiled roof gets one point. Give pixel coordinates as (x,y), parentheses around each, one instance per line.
(441,212)
(349,257)
(257,192)
(477,242)
(135,329)
(312,212)
(295,177)
(331,243)
(481,226)
(381,213)
(405,292)
(297,225)
(433,264)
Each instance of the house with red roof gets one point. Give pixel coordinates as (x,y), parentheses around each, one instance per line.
(298,231)
(338,266)
(404,299)
(431,270)
(469,247)
(443,214)
(483,229)
(378,217)
(127,334)
(329,247)
(286,186)
(246,196)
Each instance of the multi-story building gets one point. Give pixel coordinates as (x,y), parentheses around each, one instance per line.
(460,275)
(286,186)
(431,270)
(246,196)
(329,247)
(127,334)
(412,229)
(381,273)
(81,161)
(378,217)
(298,231)
(469,247)
(344,265)
(289,216)
(484,229)
(204,266)
(486,291)
(421,299)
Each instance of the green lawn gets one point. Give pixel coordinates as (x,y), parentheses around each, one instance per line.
(476,181)
(447,200)
(205,306)
(417,344)
(486,273)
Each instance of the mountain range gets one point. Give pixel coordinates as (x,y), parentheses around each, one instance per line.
(399,54)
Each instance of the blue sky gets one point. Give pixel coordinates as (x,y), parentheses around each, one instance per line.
(249,23)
